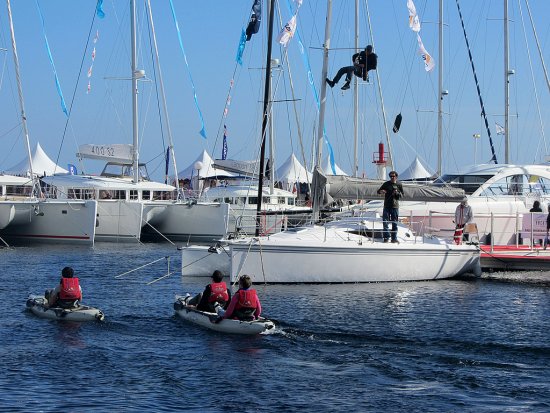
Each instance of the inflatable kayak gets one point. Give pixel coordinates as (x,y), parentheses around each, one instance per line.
(205,319)
(37,305)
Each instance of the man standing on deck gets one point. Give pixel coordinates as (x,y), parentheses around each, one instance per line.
(393,192)
(463,216)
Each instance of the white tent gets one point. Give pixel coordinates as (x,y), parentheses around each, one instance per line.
(416,170)
(41,165)
(327,169)
(292,171)
(207,170)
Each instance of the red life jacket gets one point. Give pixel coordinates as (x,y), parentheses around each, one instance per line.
(247,299)
(218,292)
(70,289)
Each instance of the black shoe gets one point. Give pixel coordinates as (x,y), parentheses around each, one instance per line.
(346,86)
(330,82)
(394,241)
(386,240)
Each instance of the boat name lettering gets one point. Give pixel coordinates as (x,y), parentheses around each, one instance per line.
(103,150)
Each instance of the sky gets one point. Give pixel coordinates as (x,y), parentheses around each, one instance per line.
(210,33)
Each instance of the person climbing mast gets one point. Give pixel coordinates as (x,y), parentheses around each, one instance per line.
(362,63)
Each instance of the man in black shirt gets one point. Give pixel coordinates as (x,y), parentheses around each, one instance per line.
(362,63)
(393,192)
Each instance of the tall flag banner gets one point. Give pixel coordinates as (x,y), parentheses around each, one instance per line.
(255,19)
(500,129)
(203,130)
(287,33)
(429,63)
(414,20)
(240,49)
(228,100)
(99,9)
(224,147)
(92,65)
(57,85)
(72,169)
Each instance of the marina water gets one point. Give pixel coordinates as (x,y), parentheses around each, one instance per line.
(478,345)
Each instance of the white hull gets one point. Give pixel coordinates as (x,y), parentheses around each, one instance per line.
(205,319)
(36,304)
(51,221)
(202,261)
(119,221)
(191,222)
(332,254)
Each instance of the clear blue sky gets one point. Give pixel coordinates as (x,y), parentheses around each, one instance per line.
(210,33)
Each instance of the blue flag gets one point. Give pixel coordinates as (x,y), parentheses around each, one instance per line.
(224,147)
(72,169)
(240,50)
(99,9)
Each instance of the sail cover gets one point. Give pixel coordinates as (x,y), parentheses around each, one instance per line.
(330,187)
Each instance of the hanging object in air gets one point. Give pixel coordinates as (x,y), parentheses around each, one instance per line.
(397,123)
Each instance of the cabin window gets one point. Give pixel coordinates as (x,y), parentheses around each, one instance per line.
(81,193)
(146,195)
(291,201)
(227,200)
(469,183)
(253,200)
(19,190)
(241,200)
(118,194)
(1,190)
(538,185)
(511,185)
(266,200)
(134,195)
(281,200)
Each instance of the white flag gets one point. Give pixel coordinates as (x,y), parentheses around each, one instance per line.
(429,63)
(499,129)
(287,32)
(414,21)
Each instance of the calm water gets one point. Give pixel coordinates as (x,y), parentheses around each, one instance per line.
(479,346)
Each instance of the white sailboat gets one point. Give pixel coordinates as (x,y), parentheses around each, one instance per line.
(25,214)
(348,250)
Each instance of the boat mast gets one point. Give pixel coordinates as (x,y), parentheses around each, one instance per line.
(321,129)
(506,86)
(163,94)
(356,96)
(36,186)
(135,74)
(440,94)
(267,94)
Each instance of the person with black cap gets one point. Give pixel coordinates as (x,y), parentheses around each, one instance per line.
(393,192)
(68,292)
(362,63)
(214,295)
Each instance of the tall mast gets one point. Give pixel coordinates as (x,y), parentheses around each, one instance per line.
(321,129)
(267,94)
(135,74)
(506,86)
(356,96)
(36,187)
(440,94)
(165,108)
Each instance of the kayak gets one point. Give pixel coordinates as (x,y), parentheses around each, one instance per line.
(206,319)
(37,305)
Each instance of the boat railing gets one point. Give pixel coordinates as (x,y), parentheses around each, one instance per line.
(269,224)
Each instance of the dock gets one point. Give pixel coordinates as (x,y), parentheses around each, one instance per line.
(515,258)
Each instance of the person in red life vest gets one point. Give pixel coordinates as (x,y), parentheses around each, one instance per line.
(215,292)
(68,292)
(245,304)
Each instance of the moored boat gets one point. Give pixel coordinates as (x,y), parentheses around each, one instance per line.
(205,319)
(38,306)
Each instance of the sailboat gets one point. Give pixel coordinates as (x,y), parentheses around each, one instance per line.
(128,200)
(346,250)
(25,214)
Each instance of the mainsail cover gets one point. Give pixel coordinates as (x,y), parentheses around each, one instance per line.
(331,187)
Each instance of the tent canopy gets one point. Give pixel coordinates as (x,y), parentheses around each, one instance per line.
(41,165)
(206,170)
(327,170)
(292,171)
(416,170)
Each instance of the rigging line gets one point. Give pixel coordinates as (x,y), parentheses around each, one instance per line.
(75,89)
(534,83)
(140,267)
(538,45)
(494,157)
